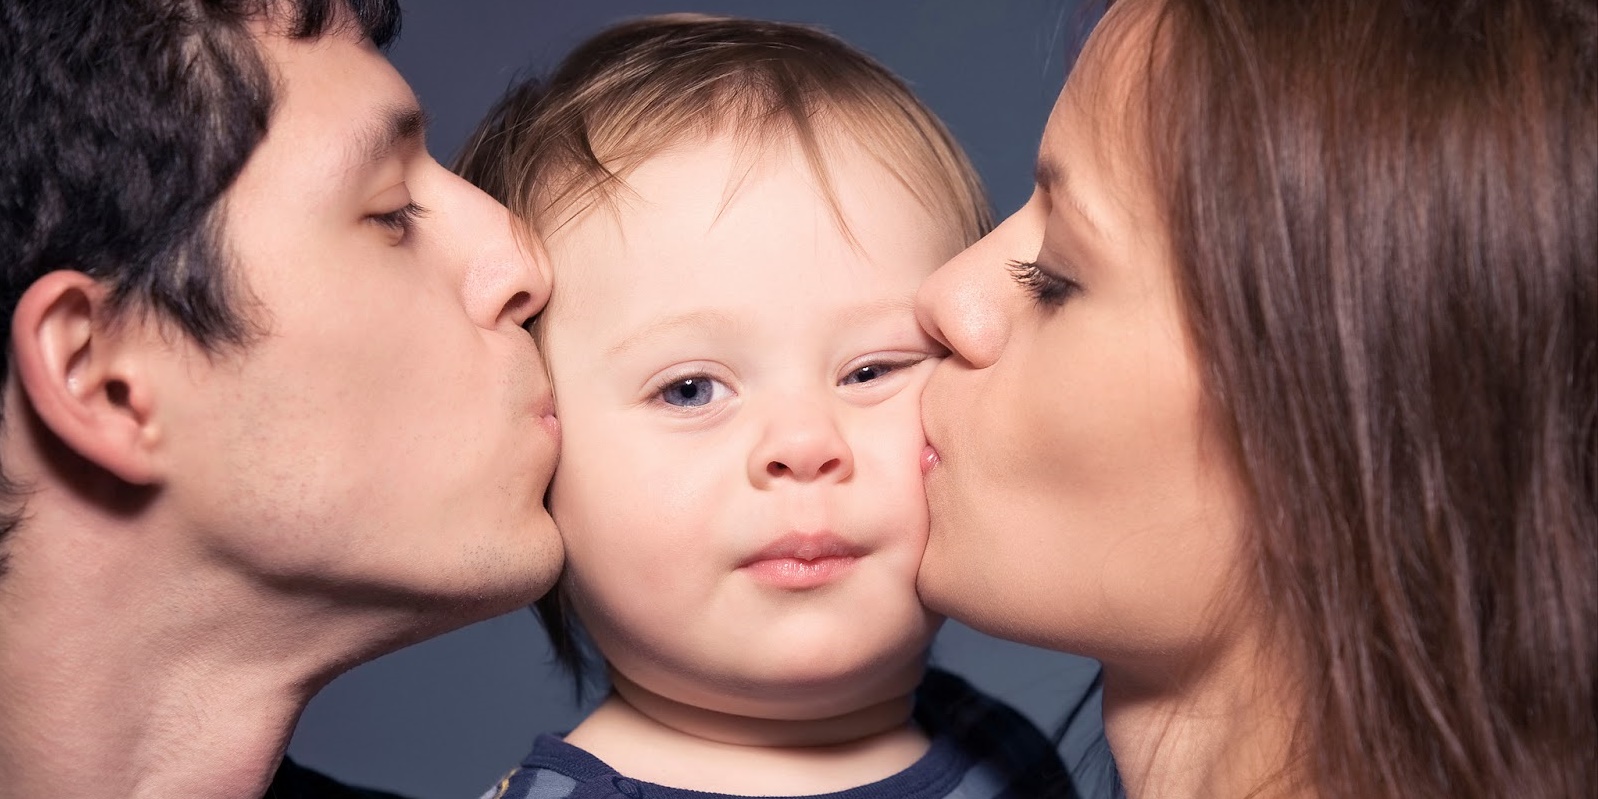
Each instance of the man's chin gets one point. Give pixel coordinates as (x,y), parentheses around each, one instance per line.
(491,580)
(522,574)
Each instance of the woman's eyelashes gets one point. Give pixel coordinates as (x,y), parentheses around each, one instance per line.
(1047,289)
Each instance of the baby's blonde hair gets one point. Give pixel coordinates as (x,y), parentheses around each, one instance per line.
(552,149)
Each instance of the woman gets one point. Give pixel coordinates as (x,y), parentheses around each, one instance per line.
(1279,398)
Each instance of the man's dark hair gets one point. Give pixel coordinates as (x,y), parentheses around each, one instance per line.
(122,123)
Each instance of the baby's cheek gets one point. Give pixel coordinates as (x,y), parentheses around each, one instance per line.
(899,435)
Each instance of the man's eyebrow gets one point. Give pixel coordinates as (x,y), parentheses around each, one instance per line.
(395,125)
(663,326)
(1055,181)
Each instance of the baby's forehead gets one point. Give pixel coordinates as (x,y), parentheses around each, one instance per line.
(726,192)
(834,186)
(719,227)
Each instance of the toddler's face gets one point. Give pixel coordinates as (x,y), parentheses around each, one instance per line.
(738,386)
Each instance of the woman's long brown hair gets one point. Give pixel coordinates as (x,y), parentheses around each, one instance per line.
(1385,219)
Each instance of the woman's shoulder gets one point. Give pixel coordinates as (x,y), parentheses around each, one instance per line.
(1005,746)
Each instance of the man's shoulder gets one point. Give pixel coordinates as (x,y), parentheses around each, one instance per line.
(294,781)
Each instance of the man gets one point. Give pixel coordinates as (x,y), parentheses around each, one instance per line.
(269,408)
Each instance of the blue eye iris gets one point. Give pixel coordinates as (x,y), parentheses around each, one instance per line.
(690,393)
(866,374)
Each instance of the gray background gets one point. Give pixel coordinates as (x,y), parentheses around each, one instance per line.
(448,717)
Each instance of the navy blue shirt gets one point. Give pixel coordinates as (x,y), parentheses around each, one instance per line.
(981,749)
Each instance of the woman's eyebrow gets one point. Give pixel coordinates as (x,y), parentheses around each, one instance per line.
(1046,174)
(1055,181)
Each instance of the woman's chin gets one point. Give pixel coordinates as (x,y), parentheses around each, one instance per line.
(944,579)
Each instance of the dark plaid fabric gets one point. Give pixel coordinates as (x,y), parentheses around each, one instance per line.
(981,749)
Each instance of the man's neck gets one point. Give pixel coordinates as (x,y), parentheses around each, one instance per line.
(651,737)
(127,672)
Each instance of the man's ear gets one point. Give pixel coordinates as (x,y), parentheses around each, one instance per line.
(83,374)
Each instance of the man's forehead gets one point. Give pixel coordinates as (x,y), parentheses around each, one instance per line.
(338,94)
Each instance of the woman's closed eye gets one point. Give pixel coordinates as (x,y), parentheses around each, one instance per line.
(1047,288)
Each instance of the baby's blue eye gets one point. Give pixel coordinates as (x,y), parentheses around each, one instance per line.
(690,392)
(870,372)
(866,374)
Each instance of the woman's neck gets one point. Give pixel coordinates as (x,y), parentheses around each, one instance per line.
(653,738)
(1221,728)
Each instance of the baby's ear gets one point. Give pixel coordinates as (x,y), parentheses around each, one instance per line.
(84,373)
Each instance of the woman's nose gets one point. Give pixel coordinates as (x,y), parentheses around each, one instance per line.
(963,305)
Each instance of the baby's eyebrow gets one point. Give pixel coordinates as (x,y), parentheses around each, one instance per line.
(704,318)
(882,306)
(711,319)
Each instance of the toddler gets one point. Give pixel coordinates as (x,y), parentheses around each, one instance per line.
(739,214)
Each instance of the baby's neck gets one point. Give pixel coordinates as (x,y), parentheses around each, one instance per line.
(649,737)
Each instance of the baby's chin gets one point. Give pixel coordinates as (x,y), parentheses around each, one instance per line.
(819,678)
(786,709)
